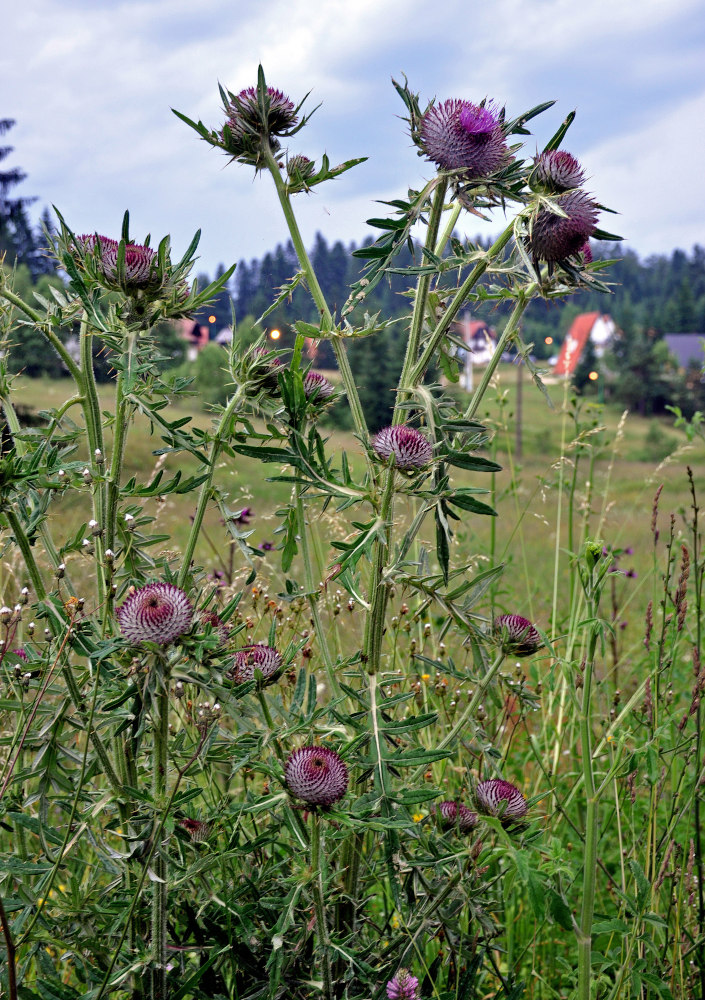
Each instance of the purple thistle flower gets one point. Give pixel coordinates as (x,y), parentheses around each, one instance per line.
(279,108)
(266,546)
(497,797)
(410,449)
(403,986)
(556,170)
(141,263)
(517,636)
(455,815)
(260,657)
(20,652)
(317,386)
(556,237)
(586,251)
(459,135)
(159,612)
(197,829)
(317,775)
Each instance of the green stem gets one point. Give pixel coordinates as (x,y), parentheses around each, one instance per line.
(206,488)
(419,313)
(502,344)
(160,887)
(454,308)
(338,346)
(313,593)
(27,554)
(37,319)
(94,432)
(320,905)
(584,934)
(379,591)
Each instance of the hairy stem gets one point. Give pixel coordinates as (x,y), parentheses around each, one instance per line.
(320,905)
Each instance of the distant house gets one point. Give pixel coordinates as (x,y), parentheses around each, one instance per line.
(479,338)
(687,348)
(596,327)
(196,337)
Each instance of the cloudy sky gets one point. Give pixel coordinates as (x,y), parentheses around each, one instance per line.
(91,84)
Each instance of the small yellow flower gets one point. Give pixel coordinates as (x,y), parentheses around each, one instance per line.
(417,817)
(425,677)
(395,920)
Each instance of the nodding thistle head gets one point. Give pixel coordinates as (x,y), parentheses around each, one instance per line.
(158,612)
(516,635)
(556,170)
(254,118)
(455,815)
(403,986)
(260,657)
(500,798)
(556,237)
(408,448)
(459,135)
(317,775)
(317,387)
(259,372)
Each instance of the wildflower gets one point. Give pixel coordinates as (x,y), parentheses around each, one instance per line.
(497,797)
(317,775)
(417,817)
(317,386)
(262,372)
(20,653)
(516,635)
(456,815)
(279,111)
(403,986)
(141,263)
(556,170)
(266,546)
(409,448)
(459,135)
(197,829)
(557,237)
(242,517)
(159,612)
(260,657)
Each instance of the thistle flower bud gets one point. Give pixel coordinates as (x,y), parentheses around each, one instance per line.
(300,168)
(61,475)
(109,555)
(260,657)
(317,387)
(60,570)
(317,775)
(218,626)
(408,448)
(130,522)
(500,798)
(98,455)
(556,170)
(460,135)
(456,815)
(24,595)
(87,546)
(5,614)
(95,528)
(179,689)
(87,477)
(516,635)
(158,612)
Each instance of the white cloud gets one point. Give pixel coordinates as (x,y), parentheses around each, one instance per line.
(652,177)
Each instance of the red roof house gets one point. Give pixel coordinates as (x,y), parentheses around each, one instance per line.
(594,326)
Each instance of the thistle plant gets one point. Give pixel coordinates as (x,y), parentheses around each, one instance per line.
(255,770)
